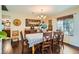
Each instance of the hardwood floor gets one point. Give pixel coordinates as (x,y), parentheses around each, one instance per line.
(9,49)
(68,49)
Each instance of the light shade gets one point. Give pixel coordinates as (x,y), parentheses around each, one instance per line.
(42,16)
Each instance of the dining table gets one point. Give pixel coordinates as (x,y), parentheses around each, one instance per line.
(36,38)
(33,39)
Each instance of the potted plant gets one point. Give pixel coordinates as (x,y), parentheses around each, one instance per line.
(3,35)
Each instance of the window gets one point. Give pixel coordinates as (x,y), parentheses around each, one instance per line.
(65,25)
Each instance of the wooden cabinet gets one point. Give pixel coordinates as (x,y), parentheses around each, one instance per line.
(50,25)
(34,22)
(30,31)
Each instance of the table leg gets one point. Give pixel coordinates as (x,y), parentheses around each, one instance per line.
(33,49)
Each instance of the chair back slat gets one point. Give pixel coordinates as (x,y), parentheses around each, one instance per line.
(47,36)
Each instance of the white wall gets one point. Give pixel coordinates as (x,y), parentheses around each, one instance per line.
(0,39)
(75,39)
(0,12)
(12,17)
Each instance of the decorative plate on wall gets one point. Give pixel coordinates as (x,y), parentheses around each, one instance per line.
(17,22)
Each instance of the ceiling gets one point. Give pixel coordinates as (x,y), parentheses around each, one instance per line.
(34,10)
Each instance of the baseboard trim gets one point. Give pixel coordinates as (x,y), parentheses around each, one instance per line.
(71,45)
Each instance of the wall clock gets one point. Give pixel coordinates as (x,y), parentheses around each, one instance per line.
(17,22)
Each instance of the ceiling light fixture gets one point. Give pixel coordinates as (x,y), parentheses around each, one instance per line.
(42,16)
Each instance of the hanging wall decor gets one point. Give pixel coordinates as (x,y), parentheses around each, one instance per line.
(17,22)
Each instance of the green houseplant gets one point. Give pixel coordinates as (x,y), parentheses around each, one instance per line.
(3,35)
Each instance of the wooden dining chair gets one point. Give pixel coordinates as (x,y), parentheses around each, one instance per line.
(24,43)
(46,45)
(56,41)
(61,40)
(15,42)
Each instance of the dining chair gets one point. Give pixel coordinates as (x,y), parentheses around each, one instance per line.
(46,45)
(24,43)
(61,40)
(56,40)
(15,42)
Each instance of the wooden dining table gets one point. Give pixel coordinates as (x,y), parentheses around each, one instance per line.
(33,39)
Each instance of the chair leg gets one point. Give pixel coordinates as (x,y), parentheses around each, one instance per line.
(50,50)
(42,51)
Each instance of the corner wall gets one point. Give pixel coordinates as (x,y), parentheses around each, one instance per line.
(73,40)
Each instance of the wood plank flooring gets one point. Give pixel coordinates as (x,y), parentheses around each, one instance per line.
(9,49)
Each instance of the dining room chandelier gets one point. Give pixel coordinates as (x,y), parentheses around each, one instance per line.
(42,16)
